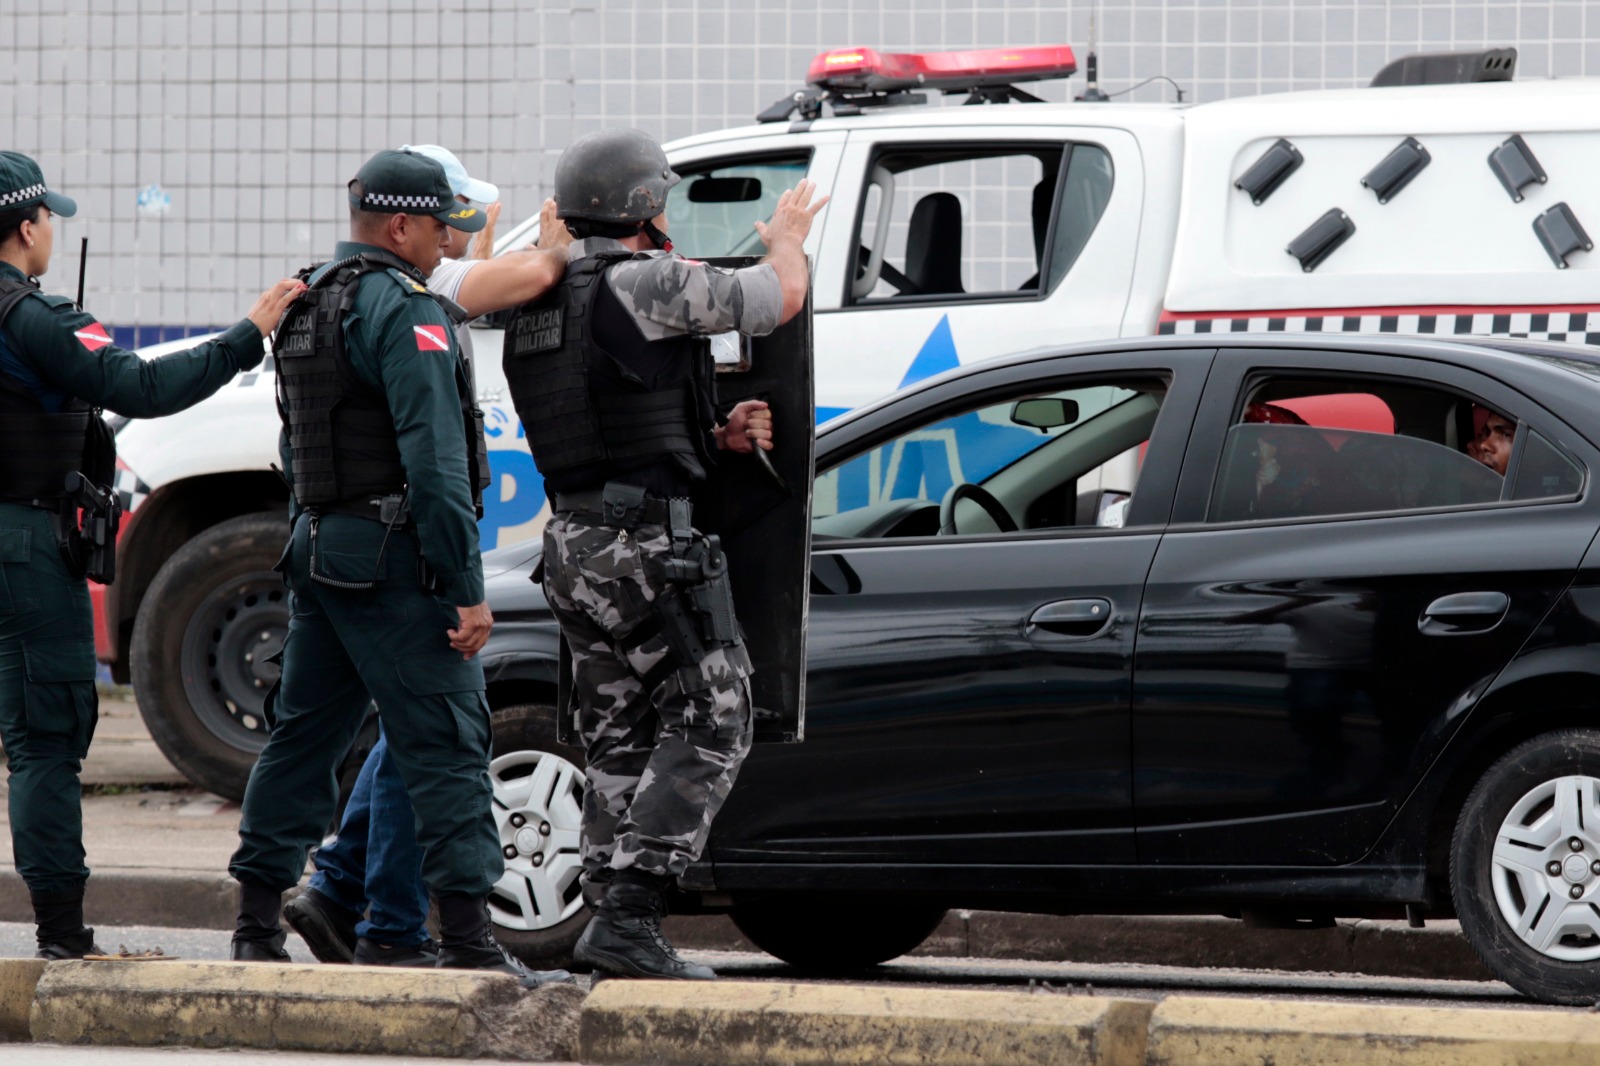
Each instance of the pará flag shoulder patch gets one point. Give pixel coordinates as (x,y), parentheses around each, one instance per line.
(432,339)
(93,336)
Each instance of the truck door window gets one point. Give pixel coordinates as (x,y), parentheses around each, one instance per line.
(1083,200)
(713,211)
(958,223)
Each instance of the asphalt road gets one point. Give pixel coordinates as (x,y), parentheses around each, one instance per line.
(1054,978)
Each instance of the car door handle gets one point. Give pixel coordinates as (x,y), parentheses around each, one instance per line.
(1464,612)
(1073,618)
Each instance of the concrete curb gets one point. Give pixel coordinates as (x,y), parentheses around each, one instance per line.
(18,979)
(303,1008)
(447,1014)
(139,897)
(739,1022)
(1389,949)
(1440,952)
(1206,1031)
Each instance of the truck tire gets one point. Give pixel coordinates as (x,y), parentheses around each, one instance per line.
(214,614)
(537,905)
(835,934)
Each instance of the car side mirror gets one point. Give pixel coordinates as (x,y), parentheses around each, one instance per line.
(1044,413)
(724,190)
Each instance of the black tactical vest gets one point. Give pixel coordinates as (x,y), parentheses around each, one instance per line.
(341,435)
(38,450)
(589,419)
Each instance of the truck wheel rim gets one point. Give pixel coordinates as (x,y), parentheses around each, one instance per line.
(229,639)
(1546,868)
(538,806)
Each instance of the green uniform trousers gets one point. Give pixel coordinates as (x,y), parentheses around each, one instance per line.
(48,705)
(386,643)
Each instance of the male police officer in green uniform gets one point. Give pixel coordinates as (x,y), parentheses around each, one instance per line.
(383,447)
(618,405)
(57,457)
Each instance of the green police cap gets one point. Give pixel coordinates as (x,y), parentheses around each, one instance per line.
(22,184)
(412,183)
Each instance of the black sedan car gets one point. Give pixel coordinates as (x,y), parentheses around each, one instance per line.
(1285,628)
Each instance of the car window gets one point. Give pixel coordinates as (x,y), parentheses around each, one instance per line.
(713,211)
(1050,460)
(1544,472)
(1302,448)
(962,222)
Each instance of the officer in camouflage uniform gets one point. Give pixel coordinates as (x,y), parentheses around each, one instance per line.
(383,446)
(618,405)
(56,365)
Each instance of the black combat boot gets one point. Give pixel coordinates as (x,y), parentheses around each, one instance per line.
(61,932)
(328,929)
(466,942)
(257,936)
(371,953)
(624,937)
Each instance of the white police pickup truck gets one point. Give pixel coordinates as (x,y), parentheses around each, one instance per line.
(954,234)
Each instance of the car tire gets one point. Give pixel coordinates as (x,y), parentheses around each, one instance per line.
(212,616)
(835,935)
(538,910)
(1535,929)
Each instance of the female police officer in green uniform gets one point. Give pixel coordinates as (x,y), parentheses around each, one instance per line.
(57,364)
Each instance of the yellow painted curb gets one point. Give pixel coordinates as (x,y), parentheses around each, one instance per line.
(18,978)
(303,1008)
(744,1021)
(1206,1031)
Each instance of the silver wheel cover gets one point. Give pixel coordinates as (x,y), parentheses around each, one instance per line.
(1546,869)
(540,886)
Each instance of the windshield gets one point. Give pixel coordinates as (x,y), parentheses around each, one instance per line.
(713,212)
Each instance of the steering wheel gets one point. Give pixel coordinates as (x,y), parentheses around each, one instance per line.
(978,495)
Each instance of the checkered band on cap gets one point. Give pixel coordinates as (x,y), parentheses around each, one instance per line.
(16,196)
(386,199)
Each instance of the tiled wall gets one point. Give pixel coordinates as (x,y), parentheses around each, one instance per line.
(237,122)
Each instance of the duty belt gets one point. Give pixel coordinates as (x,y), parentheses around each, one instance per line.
(622,506)
(693,612)
(392,510)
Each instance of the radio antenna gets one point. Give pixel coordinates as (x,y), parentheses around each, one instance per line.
(1091,89)
(83,263)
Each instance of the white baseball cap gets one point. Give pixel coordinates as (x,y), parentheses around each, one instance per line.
(461,183)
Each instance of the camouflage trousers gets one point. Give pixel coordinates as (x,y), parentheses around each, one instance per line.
(661,755)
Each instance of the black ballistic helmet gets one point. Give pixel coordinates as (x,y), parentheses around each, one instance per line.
(613,176)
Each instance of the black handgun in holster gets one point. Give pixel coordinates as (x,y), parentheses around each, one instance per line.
(696,611)
(86,529)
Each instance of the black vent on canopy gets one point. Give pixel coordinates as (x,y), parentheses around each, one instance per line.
(1321,238)
(1407,160)
(1270,171)
(1561,234)
(1516,167)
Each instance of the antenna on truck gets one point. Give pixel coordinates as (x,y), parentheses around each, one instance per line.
(1091,90)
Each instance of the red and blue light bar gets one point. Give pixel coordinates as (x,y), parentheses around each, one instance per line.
(869,70)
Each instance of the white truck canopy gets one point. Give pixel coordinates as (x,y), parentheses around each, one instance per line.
(1452,237)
